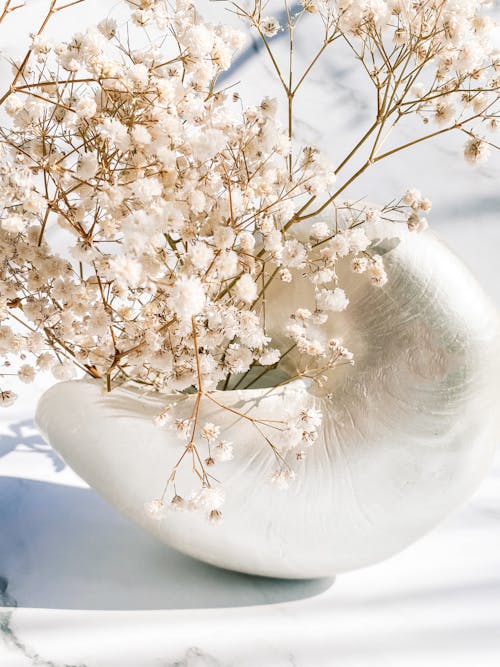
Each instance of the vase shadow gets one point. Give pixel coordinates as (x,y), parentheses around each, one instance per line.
(64,547)
(25,434)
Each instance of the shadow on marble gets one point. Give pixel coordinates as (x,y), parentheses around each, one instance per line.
(24,434)
(63,547)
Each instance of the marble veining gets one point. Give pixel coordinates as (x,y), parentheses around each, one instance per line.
(195,657)
(11,638)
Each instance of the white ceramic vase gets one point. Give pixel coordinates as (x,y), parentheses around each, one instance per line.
(406,437)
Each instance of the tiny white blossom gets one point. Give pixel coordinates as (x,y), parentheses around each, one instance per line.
(282,478)
(183,428)
(319,231)
(223,451)
(88,166)
(14,224)
(141,136)
(246,289)
(476,151)
(269,26)
(208,498)
(63,371)
(270,357)
(210,431)
(7,398)
(14,104)
(413,198)
(108,27)
(164,417)
(155,509)
(86,107)
(311,417)
(187,297)
(26,373)
(334,300)
(417,223)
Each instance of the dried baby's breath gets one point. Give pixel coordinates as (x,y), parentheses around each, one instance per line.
(176,205)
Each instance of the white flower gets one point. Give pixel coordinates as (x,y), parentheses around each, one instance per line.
(207,144)
(178,503)
(418,90)
(378,275)
(26,373)
(87,167)
(208,498)
(426,205)
(164,417)
(14,224)
(155,509)
(226,264)
(312,347)
(416,223)
(372,216)
(269,26)
(270,357)
(140,135)
(187,297)
(285,276)
(125,270)
(86,107)
(238,358)
(444,113)
(200,255)
(310,417)
(282,478)
(223,451)
(210,432)
(45,361)
(146,189)
(143,17)
(14,104)
(289,438)
(113,130)
(7,398)
(294,254)
(200,39)
(40,45)
(183,428)
(246,289)
(319,231)
(313,6)
(34,202)
(476,151)
(107,27)
(198,201)
(412,197)
(63,371)
(224,238)
(339,245)
(322,276)
(345,354)
(334,300)
(215,516)
(358,240)
(359,264)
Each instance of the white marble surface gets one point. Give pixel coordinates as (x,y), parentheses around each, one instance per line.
(83,588)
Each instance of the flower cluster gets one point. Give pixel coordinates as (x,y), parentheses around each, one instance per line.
(438,59)
(145,211)
(289,439)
